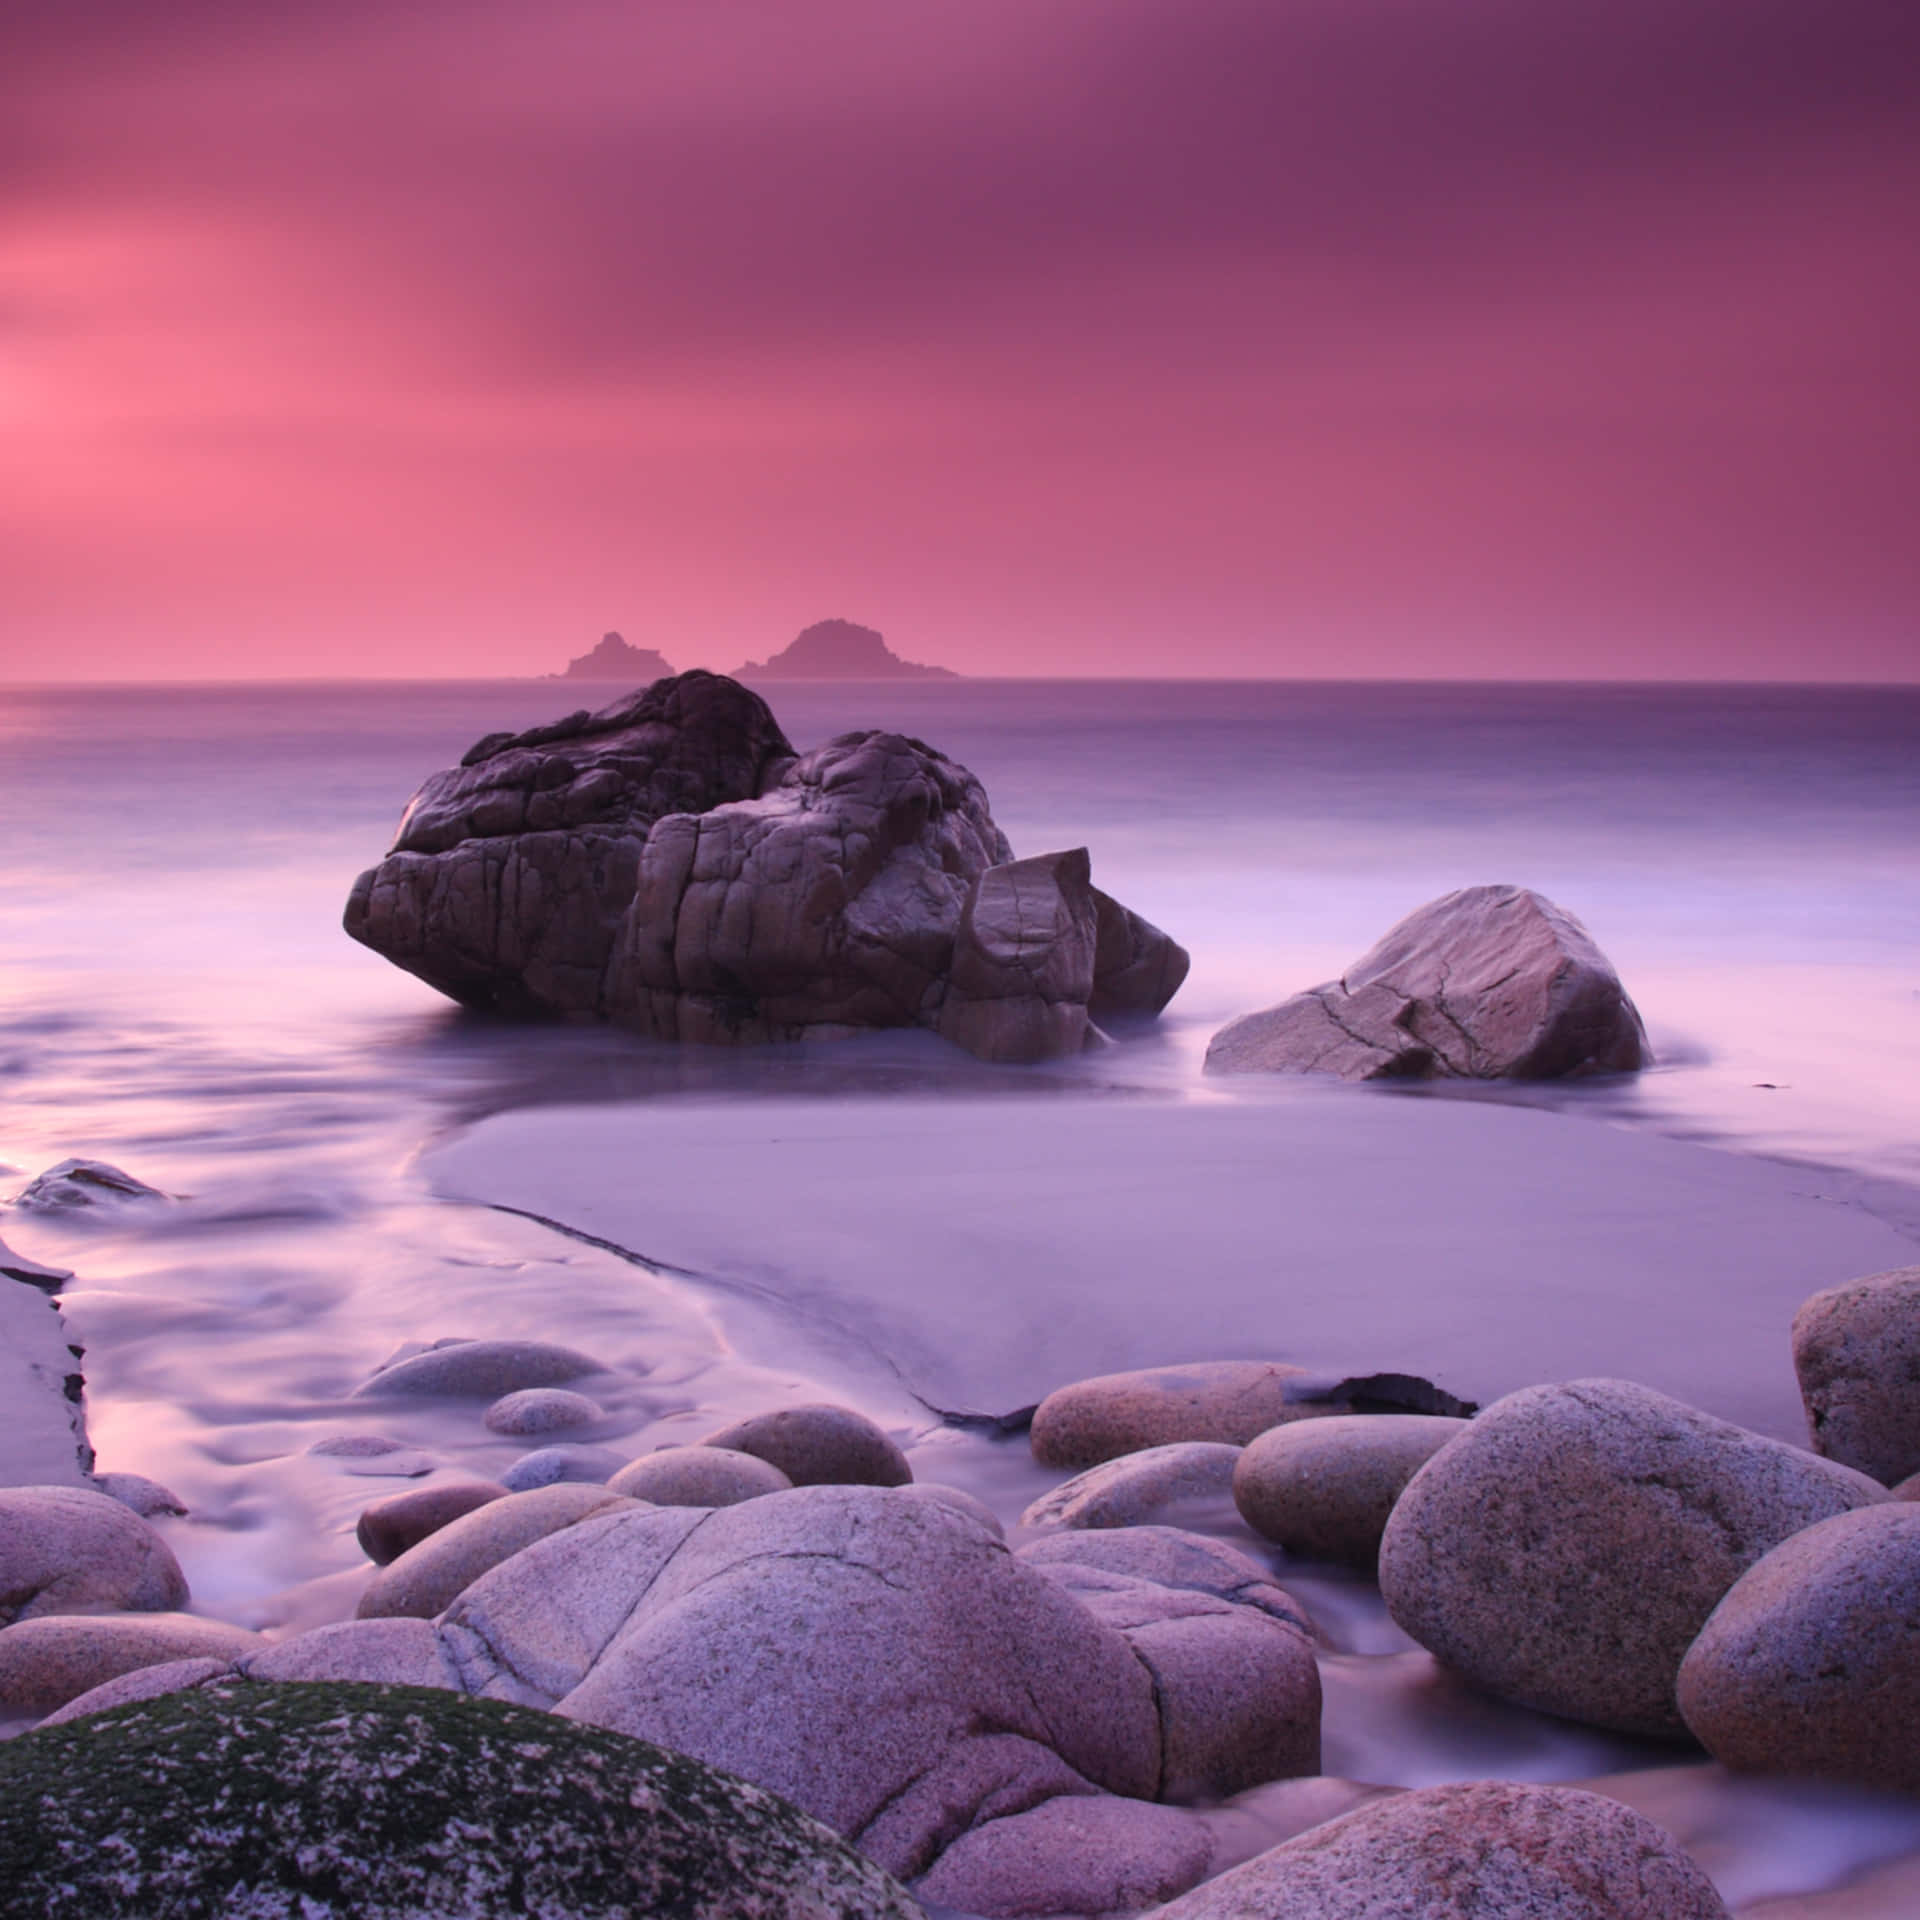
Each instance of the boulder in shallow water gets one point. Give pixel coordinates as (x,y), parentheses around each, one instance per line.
(547,1466)
(73,1185)
(481,1369)
(428,1577)
(389,1527)
(1811,1663)
(1323,1489)
(1226,1402)
(1489,983)
(1566,1548)
(69,1549)
(670,864)
(541,1410)
(817,1446)
(1138,1488)
(48,1661)
(704,1476)
(1488,1850)
(1856,1349)
(392,1802)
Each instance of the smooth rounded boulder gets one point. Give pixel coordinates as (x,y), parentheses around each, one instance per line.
(427,1577)
(1487,983)
(481,1369)
(1140,1488)
(389,1803)
(1226,1402)
(389,1527)
(48,1661)
(1564,1551)
(704,1476)
(1487,1850)
(1856,1350)
(541,1410)
(1323,1489)
(71,1550)
(1811,1664)
(818,1446)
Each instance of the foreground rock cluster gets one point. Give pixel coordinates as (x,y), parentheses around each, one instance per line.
(673,865)
(774,1660)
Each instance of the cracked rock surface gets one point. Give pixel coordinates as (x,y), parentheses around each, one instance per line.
(1488,983)
(1566,1548)
(672,865)
(389,1802)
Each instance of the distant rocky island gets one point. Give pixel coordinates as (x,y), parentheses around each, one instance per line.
(613,659)
(839,650)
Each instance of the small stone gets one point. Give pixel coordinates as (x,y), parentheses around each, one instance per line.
(549,1466)
(1226,1402)
(541,1410)
(1811,1664)
(1489,1850)
(145,1497)
(818,1446)
(1856,1349)
(427,1578)
(1140,1487)
(1564,1551)
(69,1549)
(1323,1489)
(698,1477)
(383,1802)
(74,1184)
(481,1369)
(389,1527)
(46,1662)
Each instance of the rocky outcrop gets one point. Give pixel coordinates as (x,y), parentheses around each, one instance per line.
(1489,983)
(1565,1549)
(614,659)
(839,650)
(389,1802)
(1489,1850)
(1811,1664)
(44,1441)
(1856,1350)
(671,865)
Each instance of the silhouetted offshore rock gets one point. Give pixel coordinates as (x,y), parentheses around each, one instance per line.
(1489,983)
(670,864)
(839,650)
(614,659)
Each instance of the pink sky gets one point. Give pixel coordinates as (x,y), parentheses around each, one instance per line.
(1429,337)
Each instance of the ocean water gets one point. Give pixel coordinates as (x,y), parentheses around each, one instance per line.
(176,996)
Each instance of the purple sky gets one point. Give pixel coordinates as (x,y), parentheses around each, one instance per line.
(1425,337)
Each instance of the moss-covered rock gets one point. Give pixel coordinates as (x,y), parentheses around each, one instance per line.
(392,1803)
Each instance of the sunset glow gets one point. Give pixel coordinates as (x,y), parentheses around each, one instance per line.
(1092,338)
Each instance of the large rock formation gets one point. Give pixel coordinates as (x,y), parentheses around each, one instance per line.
(839,650)
(670,864)
(1489,983)
(614,659)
